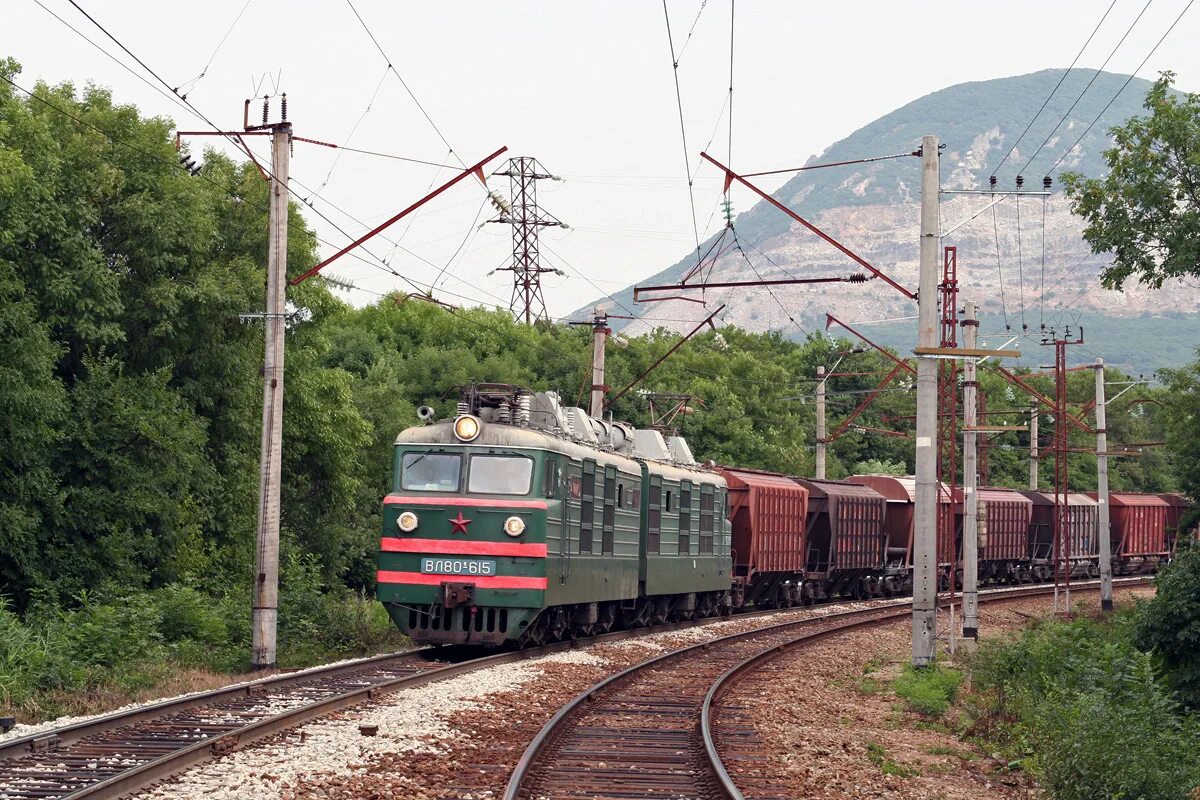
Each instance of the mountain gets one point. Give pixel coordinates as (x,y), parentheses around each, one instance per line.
(1024,261)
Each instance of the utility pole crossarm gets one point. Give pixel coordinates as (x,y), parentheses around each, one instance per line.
(475,169)
(731,176)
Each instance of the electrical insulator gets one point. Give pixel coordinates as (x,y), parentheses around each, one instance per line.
(266,103)
(992,181)
(283,106)
(1047,182)
(1020,181)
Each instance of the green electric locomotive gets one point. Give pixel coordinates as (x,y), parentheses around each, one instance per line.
(521,520)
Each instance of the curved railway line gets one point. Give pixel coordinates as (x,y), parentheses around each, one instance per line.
(119,753)
(653,731)
(638,727)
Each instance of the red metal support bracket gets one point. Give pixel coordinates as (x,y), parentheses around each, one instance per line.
(830,319)
(1041,398)
(861,407)
(731,176)
(475,169)
(707,321)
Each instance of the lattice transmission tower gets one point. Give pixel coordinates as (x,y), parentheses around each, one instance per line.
(526,219)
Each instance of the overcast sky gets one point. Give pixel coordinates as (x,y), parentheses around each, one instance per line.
(587,88)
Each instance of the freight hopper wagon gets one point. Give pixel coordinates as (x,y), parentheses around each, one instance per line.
(1005,518)
(520,520)
(901,495)
(768,514)
(1138,531)
(847,544)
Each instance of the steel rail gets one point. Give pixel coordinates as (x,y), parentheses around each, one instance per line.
(717,767)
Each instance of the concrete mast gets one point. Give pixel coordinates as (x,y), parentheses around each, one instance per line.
(1104,532)
(924,621)
(970,481)
(266,569)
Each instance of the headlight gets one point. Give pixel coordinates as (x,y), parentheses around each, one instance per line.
(466,428)
(514,526)
(407,521)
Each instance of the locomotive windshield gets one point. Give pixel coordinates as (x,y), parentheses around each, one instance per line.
(500,474)
(431,472)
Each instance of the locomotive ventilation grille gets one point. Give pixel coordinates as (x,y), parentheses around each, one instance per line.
(439,618)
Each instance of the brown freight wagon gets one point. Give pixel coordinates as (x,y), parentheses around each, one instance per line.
(901,495)
(768,514)
(1139,531)
(847,541)
(1004,519)
(1081,545)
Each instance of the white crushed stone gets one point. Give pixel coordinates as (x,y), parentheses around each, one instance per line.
(411,720)
(26,729)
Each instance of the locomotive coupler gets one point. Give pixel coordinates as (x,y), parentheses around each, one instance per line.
(457,594)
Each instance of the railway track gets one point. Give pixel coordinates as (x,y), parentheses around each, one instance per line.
(648,732)
(119,753)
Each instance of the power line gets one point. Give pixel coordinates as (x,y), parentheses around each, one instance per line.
(1123,86)
(687,166)
(192,83)
(1020,266)
(174,164)
(338,158)
(1000,269)
(1046,102)
(399,77)
(169,95)
(1085,88)
(692,29)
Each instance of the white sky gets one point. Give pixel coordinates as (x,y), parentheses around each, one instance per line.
(584,87)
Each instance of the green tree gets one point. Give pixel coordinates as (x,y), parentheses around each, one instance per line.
(1169,622)
(1146,210)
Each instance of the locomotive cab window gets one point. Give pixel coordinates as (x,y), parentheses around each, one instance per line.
(500,475)
(430,472)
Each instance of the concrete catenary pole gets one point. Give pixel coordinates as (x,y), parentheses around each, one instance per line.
(820,423)
(266,567)
(600,333)
(1104,532)
(970,481)
(1033,447)
(924,621)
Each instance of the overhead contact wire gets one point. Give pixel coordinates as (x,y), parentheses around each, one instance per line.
(1128,80)
(687,166)
(1046,102)
(1066,114)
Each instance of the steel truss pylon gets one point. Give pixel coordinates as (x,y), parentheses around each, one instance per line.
(526,219)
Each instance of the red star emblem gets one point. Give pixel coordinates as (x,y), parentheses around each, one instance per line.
(460,523)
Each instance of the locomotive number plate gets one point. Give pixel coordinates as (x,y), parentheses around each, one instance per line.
(457,566)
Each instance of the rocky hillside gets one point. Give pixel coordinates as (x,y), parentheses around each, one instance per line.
(1018,269)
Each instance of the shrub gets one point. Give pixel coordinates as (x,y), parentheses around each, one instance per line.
(1079,706)
(1169,623)
(928,690)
